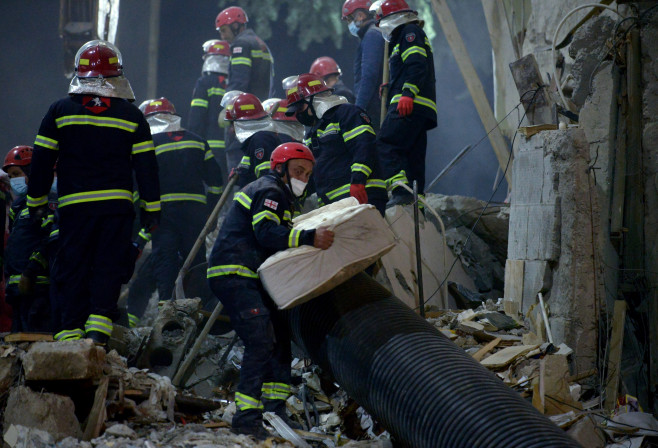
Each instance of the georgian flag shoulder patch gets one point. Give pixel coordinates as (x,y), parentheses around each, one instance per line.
(269,203)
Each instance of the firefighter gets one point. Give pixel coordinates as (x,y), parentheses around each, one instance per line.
(251,66)
(206,99)
(288,128)
(327,69)
(342,141)
(369,59)
(402,142)
(26,264)
(97,138)
(233,151)
(185,164)
(257,225)
(254,128)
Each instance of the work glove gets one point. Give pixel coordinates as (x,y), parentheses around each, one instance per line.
(26,283)
(38,213)
(234,172)
(382,89)
(323,238)
(358,191)
(405,106)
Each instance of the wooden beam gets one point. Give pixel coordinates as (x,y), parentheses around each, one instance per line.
(98,414)
(486,349)
(474,85)
(514,274)
(614,354)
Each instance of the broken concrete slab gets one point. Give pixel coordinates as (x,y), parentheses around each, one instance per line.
(17,436)
(64,360)
(506,356)
(42,410)
(9,371)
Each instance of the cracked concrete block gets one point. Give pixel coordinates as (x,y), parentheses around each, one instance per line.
(45,411)
(517,248)
(528,166)
(587,47)
(64,360)
(8,373)
(543,232)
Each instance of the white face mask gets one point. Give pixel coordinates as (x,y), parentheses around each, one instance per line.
(297,187)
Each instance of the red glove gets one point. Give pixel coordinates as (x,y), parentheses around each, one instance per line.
(405,106)
(358,191)
(234,171)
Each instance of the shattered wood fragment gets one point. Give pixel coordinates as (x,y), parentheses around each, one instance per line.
(29,337)
(506,356)
(529,131)
(98,415)
(212,425)
(486,349)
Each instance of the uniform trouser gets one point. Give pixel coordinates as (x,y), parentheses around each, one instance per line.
(401,146)
(30,312)
(90,265)
(141,290)
(180,225)
(266,338)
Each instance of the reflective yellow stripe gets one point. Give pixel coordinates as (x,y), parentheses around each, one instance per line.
(286,215)
(132,320)
(143,147)
(265,166)
(144,235)
(150,206)
(69,335)
(413,50)
(399,177)
(92,196)
(396,50)
(216,144)
(183,144)
(293,238)
(345,189)
(357,131)
(216,91)
(375,183)
(412,87)
(275,391)
(24,212)
(241,61)
(209,155)
(245,402)
(243,199)
(361,168)
(40,280)
(88,120)
(261,54)
(215,190)
(230,269)
(265,214)
(245,162)
(99,323)
(36,202)
(54,233)
(331,128)
(418,100)
(198,102)
(171,197)
(307,141)
(46,142)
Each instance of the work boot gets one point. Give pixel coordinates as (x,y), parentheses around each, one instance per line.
(100,339)
(249,423)
(278,407)
(401,198)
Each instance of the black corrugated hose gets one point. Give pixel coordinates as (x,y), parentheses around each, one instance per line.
(425,390)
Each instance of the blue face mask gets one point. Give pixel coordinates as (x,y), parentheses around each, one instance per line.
(18,186)
(354,26)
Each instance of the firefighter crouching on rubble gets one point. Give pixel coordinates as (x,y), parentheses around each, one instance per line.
(97,138)
(257,225)
(190,185)
(342,141)
(26,259)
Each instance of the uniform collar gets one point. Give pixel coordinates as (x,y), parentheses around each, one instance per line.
(365,27)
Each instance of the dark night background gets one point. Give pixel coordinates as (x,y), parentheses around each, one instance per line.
(32,74)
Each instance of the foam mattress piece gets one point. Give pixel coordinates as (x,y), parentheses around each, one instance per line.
(361,237)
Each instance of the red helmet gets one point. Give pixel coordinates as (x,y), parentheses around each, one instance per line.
(18,156)
(352,5)
(158,106)
(230,15)
(98,58)
(246,106)
(308,85)
(384,8)
(289,151)
(325,66)
(277,110)
(216,47)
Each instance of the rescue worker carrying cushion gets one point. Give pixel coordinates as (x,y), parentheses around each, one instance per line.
(342,141)
(207,96)
(255,129)
(97,138)
(190,185)
(402,142)
(26,258)
(251,66)
(257,225)
(327,69)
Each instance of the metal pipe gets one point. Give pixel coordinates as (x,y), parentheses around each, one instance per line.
(424,389)
(419,260)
